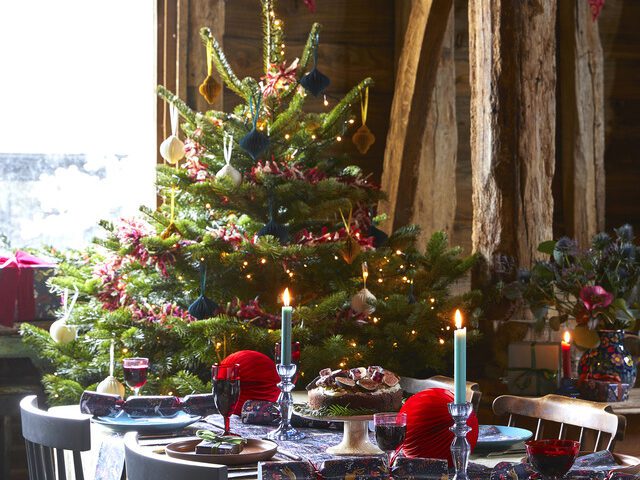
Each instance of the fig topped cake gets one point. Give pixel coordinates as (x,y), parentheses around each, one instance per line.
(362,388)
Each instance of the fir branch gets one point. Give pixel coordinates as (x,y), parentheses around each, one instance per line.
(304,410)
(290,115)
(309,47)
(222,65)
(343,106)
(182,107)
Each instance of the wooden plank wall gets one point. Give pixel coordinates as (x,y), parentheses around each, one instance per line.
(620,37)
(357,41)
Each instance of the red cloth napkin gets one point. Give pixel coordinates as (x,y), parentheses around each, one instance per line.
(16,287)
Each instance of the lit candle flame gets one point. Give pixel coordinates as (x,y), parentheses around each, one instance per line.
(567,337)
(365,272)
(286,297)
(458,318)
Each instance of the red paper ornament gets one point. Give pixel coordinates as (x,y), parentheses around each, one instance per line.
(258,377)
(428,422)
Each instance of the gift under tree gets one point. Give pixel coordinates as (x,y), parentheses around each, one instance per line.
(254,201)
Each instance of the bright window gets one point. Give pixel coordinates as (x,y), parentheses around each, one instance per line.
(77,117)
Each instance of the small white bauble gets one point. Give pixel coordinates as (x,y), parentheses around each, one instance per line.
(362,302)
(61,332)
(172,149)
(230,172)
(111,385)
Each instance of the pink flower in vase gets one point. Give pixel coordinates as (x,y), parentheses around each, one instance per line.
(594,297)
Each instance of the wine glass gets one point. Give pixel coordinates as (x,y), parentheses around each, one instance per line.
(391,429)
(226,390)
(552,458)
(135,372)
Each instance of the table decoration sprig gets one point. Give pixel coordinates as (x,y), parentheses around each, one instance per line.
(331,411)
(218,440)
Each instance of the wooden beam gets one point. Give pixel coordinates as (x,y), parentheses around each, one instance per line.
(581,115)
(415,82)
(434,204)
(513,80)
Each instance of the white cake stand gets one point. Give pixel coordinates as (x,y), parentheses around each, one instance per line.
(355,436)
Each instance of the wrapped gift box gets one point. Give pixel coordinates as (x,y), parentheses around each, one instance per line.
(362,468)
(24,295)
(420,468)
(533,368)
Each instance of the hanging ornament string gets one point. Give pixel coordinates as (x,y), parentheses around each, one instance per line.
(347,225)
(209,48)
(203,278)
(173,115)
(255,113)
(364,105)
(365,273)
(111,357)
(66,307)
(227,147)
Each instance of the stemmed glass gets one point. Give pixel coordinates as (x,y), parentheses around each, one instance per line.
(226,390)
(391,429)
(135,372)
(552,458)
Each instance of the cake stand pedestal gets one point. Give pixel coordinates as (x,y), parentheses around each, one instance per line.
(355,436)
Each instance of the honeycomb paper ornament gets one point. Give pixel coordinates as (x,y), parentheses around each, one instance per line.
(350,250)
(203,307)
(254,142)
(363,139)
(363,302)
(228,171)
(315,82)
(172,149)
(210,89)
(111,385)
(280,232)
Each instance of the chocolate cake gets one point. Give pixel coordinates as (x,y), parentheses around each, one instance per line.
(361,388)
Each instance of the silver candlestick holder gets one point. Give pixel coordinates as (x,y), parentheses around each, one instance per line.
(285,401)
(460,447)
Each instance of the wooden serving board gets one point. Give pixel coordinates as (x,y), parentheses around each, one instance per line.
(254,451)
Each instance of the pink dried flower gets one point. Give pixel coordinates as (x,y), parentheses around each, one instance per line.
(595,297)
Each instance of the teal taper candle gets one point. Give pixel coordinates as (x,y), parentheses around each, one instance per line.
(460,360)
(285,330)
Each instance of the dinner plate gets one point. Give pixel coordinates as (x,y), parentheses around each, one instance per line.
(255,450)
(122,422)
(499,437)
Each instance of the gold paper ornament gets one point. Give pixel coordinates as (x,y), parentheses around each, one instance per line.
(363,138)
(210,89)
(351,250)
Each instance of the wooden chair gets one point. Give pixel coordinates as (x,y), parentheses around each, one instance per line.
(47,436)
(142,464)
(414,385)
(565,412)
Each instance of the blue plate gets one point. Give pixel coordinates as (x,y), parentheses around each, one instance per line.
(122,422)
(498,437)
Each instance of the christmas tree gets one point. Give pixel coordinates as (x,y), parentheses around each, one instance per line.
(259,202)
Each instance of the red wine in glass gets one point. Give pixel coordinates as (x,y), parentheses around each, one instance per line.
(391,429)
(552,458)
(226,390)
(135,372)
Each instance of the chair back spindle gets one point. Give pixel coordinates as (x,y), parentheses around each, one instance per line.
(47,436)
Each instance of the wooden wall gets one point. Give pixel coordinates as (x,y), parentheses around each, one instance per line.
(362,38)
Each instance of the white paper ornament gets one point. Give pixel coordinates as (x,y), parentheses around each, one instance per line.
(361,302)
(61,332)
(172,148)
(228,171)
(111,385)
